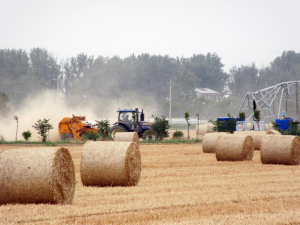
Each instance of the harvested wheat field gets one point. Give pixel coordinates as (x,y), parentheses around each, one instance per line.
(179,185)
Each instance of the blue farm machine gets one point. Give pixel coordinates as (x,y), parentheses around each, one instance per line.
(130,120)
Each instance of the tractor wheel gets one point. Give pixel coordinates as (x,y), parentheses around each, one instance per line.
(115,129)
(65,136)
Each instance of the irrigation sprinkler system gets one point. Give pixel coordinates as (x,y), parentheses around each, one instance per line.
(265,100)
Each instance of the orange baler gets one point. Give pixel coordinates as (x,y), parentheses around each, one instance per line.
(74,127)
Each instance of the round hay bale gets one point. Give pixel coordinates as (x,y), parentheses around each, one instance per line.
(249,126)
(276,132)
(204,128)
(37,175)
(256,135)
(284,149)
(234,148)
(128,136)
(110,164)
(267,128)
(210,141)
(210,127)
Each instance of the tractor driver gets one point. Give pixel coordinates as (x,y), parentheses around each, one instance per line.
(126,118)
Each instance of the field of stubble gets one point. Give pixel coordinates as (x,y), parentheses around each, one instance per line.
(179,185)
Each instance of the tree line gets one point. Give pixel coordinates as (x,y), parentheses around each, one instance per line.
(137,79)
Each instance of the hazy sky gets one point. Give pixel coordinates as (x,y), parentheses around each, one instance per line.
(240,31)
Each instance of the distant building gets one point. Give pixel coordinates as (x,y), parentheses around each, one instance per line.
(208,93)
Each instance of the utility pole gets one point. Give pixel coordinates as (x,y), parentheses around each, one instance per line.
(170,112)
(17,120)
(297,106)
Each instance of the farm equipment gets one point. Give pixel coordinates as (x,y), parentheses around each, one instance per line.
(128,121)
(74,127)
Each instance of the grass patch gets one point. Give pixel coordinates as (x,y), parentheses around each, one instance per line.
(181,126)
(172,141)
(47,143)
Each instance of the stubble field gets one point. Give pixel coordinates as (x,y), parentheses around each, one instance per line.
(179,185)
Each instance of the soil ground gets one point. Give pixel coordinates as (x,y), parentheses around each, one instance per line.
(179,185)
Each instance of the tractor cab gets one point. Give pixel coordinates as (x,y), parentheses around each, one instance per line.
(126,115)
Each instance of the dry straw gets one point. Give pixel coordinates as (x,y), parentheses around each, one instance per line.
(110,164)
(127,136)
(268,128)
(283,149)
(249,126)
(210,141)
(234,148)
(204,128)
(37,175)
(276,132)
(256,135)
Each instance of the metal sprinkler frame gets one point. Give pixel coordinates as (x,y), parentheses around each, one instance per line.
(266,97)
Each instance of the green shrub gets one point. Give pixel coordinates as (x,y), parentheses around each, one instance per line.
(149,134)
(257,116)
(26,135)
(65,136)
(104,128)
(161,126)
(224,126)
(294,129)
(90,135)
(242,116)
(177,134)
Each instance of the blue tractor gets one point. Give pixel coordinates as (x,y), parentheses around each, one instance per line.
(130,121)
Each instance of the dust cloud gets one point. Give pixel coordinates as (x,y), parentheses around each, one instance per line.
(44,106)
(48,106)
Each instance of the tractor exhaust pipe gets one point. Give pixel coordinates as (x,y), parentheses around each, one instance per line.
(142,115)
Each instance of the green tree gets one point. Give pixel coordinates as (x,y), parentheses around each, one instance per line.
(257,117)
(4,105)
(184,90)
(283,68)
(44,69)
(160,126)
(198,119)
(14,66)
(208,71)
(42,127)
(103,128)
(243,79)
(187,119)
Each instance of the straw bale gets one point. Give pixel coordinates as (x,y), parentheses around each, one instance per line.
(249,126)
(284,149)
(267,128)
(204,128)
(234,148)
(110,164)
(37,175)
(210,141)
(256,135)
(276,132)
(128,136)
